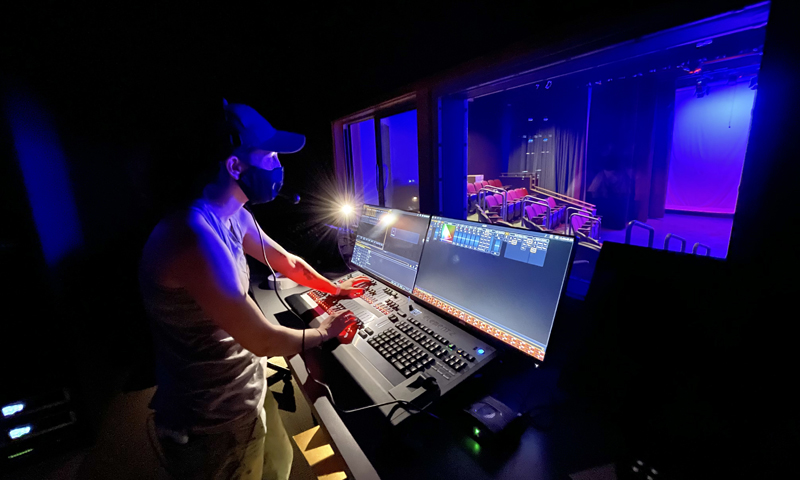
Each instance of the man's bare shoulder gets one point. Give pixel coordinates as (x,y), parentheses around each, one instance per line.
(175,236)
(245,219)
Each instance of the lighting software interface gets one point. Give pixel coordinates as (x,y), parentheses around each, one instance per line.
(504,281)
(389,244)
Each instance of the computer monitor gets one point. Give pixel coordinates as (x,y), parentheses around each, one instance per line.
(389,243)
(503,281)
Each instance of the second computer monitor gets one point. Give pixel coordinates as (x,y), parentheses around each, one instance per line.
(506,282)
(389,244)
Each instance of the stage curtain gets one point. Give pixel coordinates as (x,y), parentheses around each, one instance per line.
(626,140)
(549,136)
(708,147)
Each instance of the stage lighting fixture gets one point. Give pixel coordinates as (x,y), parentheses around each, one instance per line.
(347,209)
(548,84)
(701,89)
(753,83)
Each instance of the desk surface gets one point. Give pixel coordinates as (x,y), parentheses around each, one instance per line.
(560,439)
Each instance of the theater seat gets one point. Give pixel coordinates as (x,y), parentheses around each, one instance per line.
(582,226)
(532,226)
(533,215)
(487,217)
(515,204)
(472,198)
(540,211)
(558,210)
(492,205)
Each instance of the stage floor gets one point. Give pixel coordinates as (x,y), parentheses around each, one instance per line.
(712,231)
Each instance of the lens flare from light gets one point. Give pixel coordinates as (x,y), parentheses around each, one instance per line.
(388,219)
(347,209)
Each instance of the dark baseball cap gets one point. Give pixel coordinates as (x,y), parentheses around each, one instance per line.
(256,132)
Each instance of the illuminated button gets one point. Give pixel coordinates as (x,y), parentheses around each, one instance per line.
(481,351)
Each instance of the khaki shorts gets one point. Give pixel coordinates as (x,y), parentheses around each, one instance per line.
(260,450)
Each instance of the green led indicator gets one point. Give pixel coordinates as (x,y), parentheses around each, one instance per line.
(20,453)
(476,431)
(473,446)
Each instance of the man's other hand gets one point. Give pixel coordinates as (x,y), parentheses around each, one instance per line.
(354,287)
(333,326)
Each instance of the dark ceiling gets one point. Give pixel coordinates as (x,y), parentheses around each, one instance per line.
(298,62)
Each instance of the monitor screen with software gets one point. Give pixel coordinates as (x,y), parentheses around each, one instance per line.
(389,244)
(506,282)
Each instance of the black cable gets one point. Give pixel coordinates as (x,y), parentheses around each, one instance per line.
(404,403)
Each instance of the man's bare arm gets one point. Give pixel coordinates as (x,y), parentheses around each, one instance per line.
(281,261)
(207,271)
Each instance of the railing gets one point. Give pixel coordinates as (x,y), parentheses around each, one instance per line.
(571,228)
(669,238)
(698,245)
(590,243)
(532,226)
(571,210)
(529,200)
(493,190)
(636,223)
(565,199)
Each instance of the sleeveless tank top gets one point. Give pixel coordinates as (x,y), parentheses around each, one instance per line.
(207,382)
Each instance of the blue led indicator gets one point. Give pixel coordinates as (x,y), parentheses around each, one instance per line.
(9,410)
(15,433)
(481,351)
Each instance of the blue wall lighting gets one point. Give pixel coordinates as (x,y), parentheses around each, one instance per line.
(13,408)
(18,432)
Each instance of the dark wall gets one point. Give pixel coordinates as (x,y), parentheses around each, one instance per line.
(485,138)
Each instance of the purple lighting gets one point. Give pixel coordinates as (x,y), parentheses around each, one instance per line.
(708,147)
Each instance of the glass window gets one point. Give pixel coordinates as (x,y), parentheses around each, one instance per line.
(400,161)
(365,161)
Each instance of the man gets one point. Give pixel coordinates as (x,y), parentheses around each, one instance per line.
(212,407)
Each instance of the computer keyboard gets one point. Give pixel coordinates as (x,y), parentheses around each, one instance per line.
(398,342)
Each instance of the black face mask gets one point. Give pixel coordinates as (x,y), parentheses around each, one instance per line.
(259,185)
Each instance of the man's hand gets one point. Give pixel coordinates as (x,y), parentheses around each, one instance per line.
(354,287)
(333,326)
